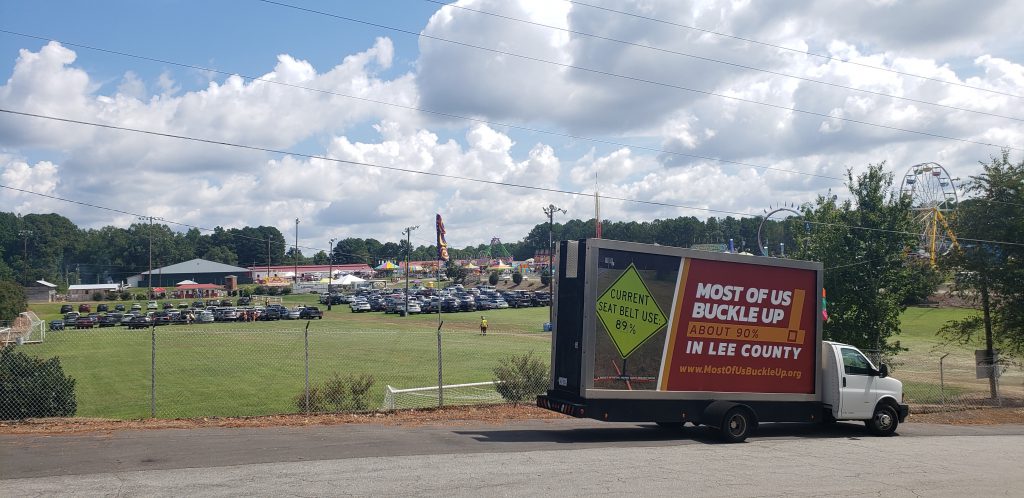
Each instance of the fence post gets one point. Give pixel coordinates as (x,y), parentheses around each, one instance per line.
(152,371)
(440,382)
(942,380)
(306,347)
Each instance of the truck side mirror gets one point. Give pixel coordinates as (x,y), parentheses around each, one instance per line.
(883,370)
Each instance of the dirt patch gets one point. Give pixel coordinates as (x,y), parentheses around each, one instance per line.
(984,416)
(452,416)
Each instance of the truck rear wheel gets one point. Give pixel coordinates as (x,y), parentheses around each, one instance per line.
(736,425)
(884,421)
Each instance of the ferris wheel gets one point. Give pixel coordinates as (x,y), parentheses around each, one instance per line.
(934,198)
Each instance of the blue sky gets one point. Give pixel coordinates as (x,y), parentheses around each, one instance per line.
(630,129)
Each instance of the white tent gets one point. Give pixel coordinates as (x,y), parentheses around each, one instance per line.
(186,282)
(348,280)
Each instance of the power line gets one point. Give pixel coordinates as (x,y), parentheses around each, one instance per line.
(643,80)
(722,62)
(790,49)
(441,113)
(405,170)
(422,109)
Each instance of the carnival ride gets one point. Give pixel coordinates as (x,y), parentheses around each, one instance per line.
(934,200)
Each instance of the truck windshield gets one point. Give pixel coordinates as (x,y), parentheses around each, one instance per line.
(854,363)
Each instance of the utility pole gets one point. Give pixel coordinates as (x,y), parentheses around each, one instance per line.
(295,255)
(550,210)
(408,250)
(150,273)
(330,274)
(25,234)
(267,281)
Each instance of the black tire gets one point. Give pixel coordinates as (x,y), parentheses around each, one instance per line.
(736,425)
(884,421)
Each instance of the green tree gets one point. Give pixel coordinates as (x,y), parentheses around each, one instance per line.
(456,274)
(861,242)
(12,300)
(989,273)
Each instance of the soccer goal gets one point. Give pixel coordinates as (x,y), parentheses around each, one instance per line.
(26,329)
(454,394)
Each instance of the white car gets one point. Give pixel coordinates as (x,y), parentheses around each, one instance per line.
(293,314)
(359,305)
(500,304)
(414,307)
(151,305)
(204,317)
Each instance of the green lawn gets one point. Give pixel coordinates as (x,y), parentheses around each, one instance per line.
(237,369)
(258,368)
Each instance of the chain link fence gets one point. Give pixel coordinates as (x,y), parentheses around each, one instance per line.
(184,371)
(954,381)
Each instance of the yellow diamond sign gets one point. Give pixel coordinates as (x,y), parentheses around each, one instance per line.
(629,312)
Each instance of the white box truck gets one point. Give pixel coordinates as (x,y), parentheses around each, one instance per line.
(649,333)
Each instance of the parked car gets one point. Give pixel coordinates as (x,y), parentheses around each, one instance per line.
(66,308)
(138,322)
(70,318)
(136,307)
(110,320)
(84,322)
(102,307)
(119,307)
(84,308)
(500,304)
(167,306)
(269,315)
(359,305)
(244,301)
(204,317)
(151,305)
(293,314)
(127,317)
(182,305)
(414,307)
(311,312)
(56,324)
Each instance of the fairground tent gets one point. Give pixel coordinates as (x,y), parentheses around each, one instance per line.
(185,282)
(387,265)
(349,280)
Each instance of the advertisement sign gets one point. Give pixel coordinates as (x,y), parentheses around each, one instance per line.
(670,323)
(742,328)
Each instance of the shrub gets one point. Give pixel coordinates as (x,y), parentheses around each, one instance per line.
(545,278)
(337,394)
(358,387)
(517,278)
(316,401)
(12,300)
(125,296)
(97,296)
(492,278)
(286,290)
(31,387)
(273,291)
(518,378)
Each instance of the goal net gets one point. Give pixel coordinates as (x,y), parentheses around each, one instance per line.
(26,329)
(453,394)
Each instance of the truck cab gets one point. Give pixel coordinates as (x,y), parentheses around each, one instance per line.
(854,389)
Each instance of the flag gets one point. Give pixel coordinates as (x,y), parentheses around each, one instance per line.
(824,305)
(442,244)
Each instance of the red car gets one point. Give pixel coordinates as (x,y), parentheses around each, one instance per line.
(85,322)
(84,308)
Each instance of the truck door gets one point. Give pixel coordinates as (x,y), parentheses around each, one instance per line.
(856,386)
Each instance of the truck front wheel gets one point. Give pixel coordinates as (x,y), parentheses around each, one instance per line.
(736,425)
(884,421)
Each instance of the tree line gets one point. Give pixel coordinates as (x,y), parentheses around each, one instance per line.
(867,244)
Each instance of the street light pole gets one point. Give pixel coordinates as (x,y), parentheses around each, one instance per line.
(408,249)
(150,273)
(25,234)
(330,274)
(550,210)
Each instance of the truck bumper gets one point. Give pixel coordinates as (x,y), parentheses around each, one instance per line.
(561,406)
(904,411)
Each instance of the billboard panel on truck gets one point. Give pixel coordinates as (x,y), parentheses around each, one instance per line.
(699,322)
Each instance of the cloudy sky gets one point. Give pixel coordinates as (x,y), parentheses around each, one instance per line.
(560,97)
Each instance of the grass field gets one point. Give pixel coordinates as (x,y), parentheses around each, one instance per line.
(238,369)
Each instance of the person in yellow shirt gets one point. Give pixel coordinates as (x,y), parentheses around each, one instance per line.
(483,326)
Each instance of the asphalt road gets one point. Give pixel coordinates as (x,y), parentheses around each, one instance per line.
(563,457)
